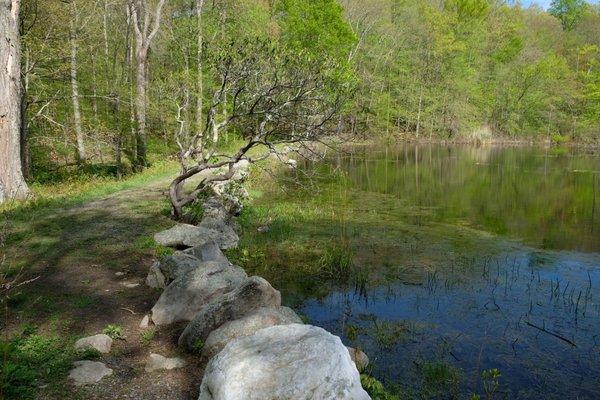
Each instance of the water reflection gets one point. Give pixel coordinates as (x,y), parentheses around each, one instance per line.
(549,198)
(530,310)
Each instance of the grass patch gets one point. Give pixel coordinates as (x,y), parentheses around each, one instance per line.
(32,360)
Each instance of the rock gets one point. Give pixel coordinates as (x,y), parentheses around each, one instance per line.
(145,323)
(184,235)
(207,252)
(178,264)
(360,359)
(251,295)
(130,285)
(292,362)
(119,274)
(195,288)
(158,362)
(227,238)
(248,325)
(214,208)
(88,372)
(100,342)
(156,279)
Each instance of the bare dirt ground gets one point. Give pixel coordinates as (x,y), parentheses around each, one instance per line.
(83,257)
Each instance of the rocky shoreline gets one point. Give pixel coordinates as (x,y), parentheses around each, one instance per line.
(257,349)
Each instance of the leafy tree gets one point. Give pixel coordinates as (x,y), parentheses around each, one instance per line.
(569,12)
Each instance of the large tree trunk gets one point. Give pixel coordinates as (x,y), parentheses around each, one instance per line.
(75,95)
(12,183)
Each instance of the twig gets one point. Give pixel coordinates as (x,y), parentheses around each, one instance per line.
(556,335)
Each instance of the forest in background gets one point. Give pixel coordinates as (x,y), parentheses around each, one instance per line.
(109,85)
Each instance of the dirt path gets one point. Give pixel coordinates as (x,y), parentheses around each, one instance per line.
(91,261)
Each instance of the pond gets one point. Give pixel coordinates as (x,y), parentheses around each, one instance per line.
(459,270)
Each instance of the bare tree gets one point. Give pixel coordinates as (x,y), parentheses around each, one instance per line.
(12,183)
(269,98)
(146,23)
(73,36)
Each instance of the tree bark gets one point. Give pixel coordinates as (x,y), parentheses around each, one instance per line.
(140,103)
(146,25)
(12,183)
(81,156)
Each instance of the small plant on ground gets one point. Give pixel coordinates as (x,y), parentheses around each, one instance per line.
(115,332)
(147,336)
(198,346)
(90,354)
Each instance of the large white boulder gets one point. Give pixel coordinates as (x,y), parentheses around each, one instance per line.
(292,362)
(261,318)
(252,294)
(193,289)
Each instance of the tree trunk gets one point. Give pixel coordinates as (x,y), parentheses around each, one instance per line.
(200,88)
(25,154)
(140,102)
(75,95)
(12,183)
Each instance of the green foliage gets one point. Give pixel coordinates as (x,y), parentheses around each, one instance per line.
(569,12)
(31,360)
(113,331)
(198,346)
(375,389)
(147,336)
(336,261)
(439,377)
(490,378)
(315,26)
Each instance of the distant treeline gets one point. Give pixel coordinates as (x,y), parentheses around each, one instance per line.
(114,81)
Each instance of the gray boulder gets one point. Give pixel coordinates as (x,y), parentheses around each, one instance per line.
(292,362)
(227,237)
(88,372)
(101,343)
(251,295)
(248,325)
(184,235)
(207,252)
(193,289)
(178,264)
(156,279)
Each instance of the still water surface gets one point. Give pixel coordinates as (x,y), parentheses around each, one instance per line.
(526,301)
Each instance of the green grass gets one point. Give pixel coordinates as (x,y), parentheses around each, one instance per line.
(83,188)
(31,360)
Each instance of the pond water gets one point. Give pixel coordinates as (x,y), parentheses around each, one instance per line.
(471,259)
